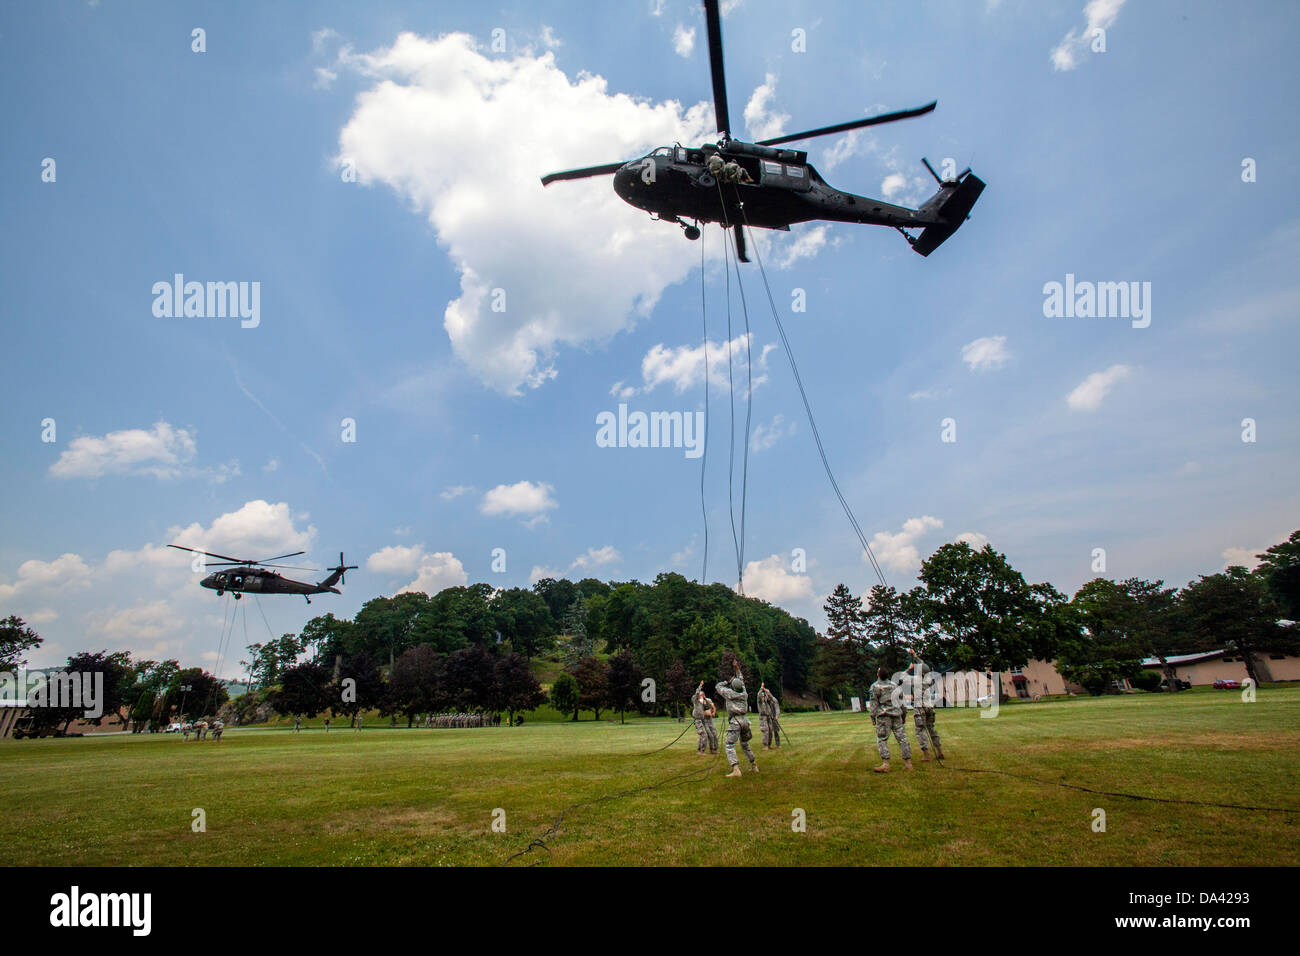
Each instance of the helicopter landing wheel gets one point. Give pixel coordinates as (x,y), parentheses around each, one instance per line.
(238,595)
(692,232)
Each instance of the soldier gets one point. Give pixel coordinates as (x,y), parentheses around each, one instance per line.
(715,164)
(768,712)
(737,703)
(733,172)
(923,706)
(297,723)
(357,726)
(887,713)
(710,728)
(699,711)
(217,728)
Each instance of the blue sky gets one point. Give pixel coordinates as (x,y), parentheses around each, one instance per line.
(475,429)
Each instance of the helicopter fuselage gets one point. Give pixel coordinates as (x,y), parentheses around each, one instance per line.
(257,581)
(674,183)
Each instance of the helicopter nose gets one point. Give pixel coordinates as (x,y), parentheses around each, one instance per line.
(627,182)
(208,581)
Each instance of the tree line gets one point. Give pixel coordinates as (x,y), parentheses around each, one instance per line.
(973,610)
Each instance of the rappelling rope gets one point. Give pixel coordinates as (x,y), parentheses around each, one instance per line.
(704,459)
(812,422)
(1126,796)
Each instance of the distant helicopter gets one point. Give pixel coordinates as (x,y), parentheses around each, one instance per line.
(674,183)
(251,577)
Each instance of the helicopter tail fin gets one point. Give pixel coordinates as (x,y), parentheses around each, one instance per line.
(951,205)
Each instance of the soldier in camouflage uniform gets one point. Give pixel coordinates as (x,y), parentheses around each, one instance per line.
(710,728)
(887,713)
(699,711)
(737,703)
(768,712)
(923,706)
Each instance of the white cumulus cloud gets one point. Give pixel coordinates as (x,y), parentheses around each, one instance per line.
(683,40)
(898,551)
(162,451)
(1100,15)
(987,353)
(597,557)
(511,120)
(763,120)
(771,580)
(1090,393)
(521,498)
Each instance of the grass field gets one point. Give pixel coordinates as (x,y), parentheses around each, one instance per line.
(426,797)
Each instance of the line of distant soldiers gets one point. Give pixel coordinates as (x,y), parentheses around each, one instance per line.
(889,712)
(736,701)
(202,728)
(462,720)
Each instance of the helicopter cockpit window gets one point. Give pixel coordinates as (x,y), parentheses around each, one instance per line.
(795,171)
(771,168)
(663,151)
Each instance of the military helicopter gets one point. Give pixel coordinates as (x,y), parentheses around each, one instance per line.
(776,187)
(252,577)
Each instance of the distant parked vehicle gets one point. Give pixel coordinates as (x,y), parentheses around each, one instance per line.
(1228,684)
(173,728)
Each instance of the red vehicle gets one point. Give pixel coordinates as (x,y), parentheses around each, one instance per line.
(1227,684)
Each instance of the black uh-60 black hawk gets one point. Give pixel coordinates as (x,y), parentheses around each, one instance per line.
(674,183)
(241,576)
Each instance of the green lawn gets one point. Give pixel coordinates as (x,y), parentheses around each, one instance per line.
(426,797)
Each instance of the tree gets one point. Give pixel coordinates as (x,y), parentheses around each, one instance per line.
(678,686)
(1279,566)
(847,666)
(1235,610)
(1106,649)
(266,661)
(623,679)
(16,639)
(193,693)
(885,632)
(304,689)
(326,637)
(559,596)
(471,678)
(414,683)
(579,646)
(359,686)
(523,618)
(516,687)
(593,684)
(385,627)
(977,611)
(564,694)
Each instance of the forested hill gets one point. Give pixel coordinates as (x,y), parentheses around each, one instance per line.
(671,621)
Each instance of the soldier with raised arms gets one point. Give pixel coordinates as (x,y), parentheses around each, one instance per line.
(737,703)
(922,677)
(699,711)
(768,712)
(888,714)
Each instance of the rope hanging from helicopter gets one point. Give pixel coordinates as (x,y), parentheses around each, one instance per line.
(803,394)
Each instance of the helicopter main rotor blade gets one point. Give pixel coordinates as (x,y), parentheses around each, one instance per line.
(208,553)
(279,556)
(855,124)
(583,173)
(713,22)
